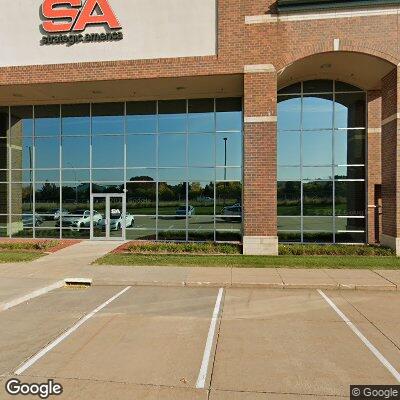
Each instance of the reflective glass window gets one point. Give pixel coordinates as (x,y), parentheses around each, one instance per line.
(47,120)
(108,119)
(141,117)
(75,119)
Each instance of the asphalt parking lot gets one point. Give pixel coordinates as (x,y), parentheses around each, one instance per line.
(137,342)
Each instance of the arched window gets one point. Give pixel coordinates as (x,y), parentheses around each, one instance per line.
(321,162)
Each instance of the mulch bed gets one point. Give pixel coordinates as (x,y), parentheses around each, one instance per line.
(60,244)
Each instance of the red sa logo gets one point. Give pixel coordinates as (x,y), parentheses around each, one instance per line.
(78,17)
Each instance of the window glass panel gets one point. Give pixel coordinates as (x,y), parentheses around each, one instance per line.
(47,152)
(201,198)
(141,117)
(349,147)
(141,174)
(322,224)
(345,87)
(228,236)
(318,86)
(350,110)
(295,88)
(289,198)
(229,150)
(75,119)
(3,175)
(350,237)
(141,234)
(108,151)
(346,172)
(317,148)
(172,174)
(141,198)
(108,187)
(350,198)
(47,175)
(75,152)
(172,150)
(289,148)
(22,152)
(75,197)
(318,198)
(22,175)
(108,118)
(201,174)
(21,122)
(349,224)
(4,121)
(47,120)
(288,173)
(4,198)
(228,174)
(289,113)
(318,111)
(76,175)
(200,235)
(107,175)
(141,151)
(317,173)
(289,237)
(47,197)
(229,200)
(229,114)
(317,237)
(201,150)
(172,116)
(289,224)
(3,153)
(201,115)
(172,197)
(21,198)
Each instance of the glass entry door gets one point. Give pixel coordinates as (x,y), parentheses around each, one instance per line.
(108,216)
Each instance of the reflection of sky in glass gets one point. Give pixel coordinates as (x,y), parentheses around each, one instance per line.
(317,148)
(172,150)
(141,151)
(75,125)
(108,151)
(317,112)
(289,148)
(141,124)
(108,125)
(75,152)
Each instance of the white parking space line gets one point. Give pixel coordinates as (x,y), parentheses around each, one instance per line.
(201,380)
(30,296)
(370,346)
(53,344)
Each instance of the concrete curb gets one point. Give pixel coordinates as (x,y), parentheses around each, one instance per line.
(333,286)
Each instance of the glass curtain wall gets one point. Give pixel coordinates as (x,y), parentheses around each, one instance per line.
(178,161)
(321,162)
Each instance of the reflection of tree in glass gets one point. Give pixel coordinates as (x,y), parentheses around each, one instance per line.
(228,193)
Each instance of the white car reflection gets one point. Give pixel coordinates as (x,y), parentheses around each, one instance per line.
(116,221)
(80,219)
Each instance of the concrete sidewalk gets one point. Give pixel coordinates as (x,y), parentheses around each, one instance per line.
(75,262)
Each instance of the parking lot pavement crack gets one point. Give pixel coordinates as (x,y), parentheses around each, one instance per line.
(280,276)
(371,322)
(384,277)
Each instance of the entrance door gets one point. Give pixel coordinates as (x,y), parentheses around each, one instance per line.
(108,216)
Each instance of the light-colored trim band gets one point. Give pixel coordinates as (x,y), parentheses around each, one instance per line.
(257,120)
(374,130)
(258,68)
(391,118)
(269,18)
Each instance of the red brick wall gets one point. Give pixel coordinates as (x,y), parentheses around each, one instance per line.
(390,156)
(259,196)
(280,44)
(374,175)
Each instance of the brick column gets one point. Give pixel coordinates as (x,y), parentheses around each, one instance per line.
(259,195)
(391,161)
(374,181)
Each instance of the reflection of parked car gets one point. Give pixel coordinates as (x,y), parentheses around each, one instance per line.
(80,219)
(232,211)
(181,211)
(27,220)
(116,221)
(58,213)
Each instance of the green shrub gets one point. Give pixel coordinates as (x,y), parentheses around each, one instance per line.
(333,250)
(43,245)
(183,248)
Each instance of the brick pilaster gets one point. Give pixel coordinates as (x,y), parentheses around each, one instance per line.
(259,197)
(391,160)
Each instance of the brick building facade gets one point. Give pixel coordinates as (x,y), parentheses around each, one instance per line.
(264,47)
